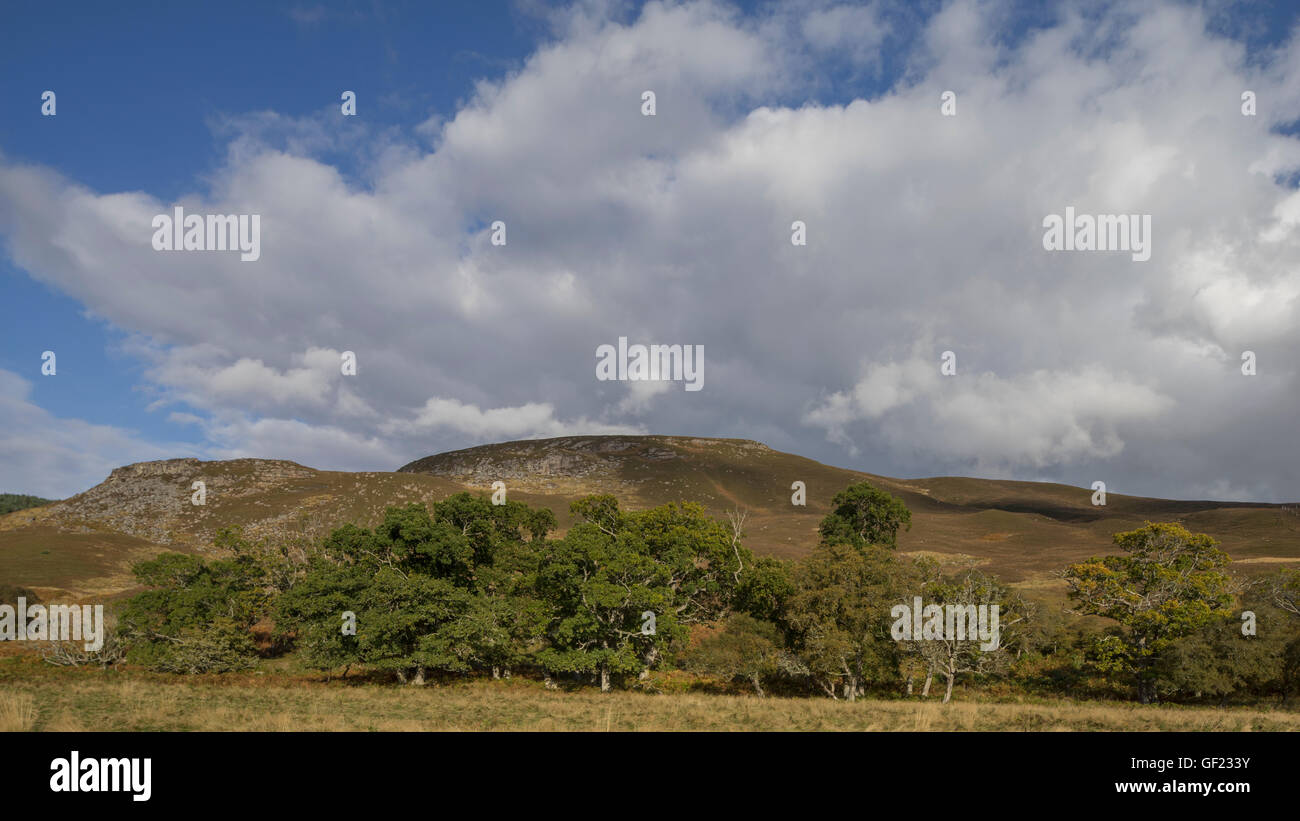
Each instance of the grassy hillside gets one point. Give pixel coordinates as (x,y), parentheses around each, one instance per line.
(1023,531)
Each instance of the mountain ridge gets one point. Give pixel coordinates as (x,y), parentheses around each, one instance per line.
(1024,531)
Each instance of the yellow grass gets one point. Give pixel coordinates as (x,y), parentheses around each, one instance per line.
(116,702)
(17,712)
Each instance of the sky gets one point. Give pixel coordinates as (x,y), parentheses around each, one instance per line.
(924,229)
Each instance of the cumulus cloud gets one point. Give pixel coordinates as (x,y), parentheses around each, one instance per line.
(49,456)
(1034,419)
(853,31)
(526,421)
(924,235)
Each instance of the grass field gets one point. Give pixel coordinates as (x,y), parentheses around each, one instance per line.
(38,697)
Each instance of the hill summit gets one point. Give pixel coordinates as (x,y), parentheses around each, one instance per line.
(576,456)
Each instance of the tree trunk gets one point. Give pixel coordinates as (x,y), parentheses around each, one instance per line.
(1146,692)
(418,681)
(549,682)
(604,678)
(929,678)
(401,676)
(496,672)
(648,660)
(948,695)
(758,685)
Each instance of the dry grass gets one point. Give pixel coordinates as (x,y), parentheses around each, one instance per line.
(117,702)
(18,712)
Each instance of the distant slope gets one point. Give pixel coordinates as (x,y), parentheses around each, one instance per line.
(1024,531)
(1020,530)
(9,502)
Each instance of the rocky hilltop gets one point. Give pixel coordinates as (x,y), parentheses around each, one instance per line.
(152,500)
(575,457)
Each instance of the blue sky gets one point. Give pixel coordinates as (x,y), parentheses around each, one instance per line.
(139,93)
(163,102)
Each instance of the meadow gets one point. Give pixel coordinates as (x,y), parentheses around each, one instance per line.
(35,696)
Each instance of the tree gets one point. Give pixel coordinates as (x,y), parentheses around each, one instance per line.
(196,616)
(449,591)
(10,502)
(744,648)
(490,527)
(505,623)
(955,650)
(614,567)
(764,588)
(1218,662)
(598,582)
(1284,586)
(864,515)
(1167,587)
(313,608)
(408,624)
(837,617)
(704,558)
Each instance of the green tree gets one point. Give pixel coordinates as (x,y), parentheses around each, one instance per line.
(1168,586)
(1219,662)
(313,612)
(765,588)
(447,591)
(837,617)
(745,648)
(196,616)
(598,582)
(9,502)
(865,515)
(959,651)
(614,567)
(407,624)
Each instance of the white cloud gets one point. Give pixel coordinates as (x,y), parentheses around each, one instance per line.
(854,30)
(524,422)
(45,455)
(328,447)
(1036,419)
(924,235)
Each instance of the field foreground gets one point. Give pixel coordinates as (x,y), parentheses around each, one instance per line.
(83,700)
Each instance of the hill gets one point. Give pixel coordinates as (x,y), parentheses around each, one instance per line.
(1023,531)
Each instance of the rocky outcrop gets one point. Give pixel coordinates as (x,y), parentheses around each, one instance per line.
(149,499)
(569,457)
